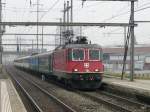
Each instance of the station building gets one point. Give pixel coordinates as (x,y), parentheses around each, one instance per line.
(113,58)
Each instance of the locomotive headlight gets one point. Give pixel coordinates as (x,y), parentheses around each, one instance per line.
(75,70)
(96,70)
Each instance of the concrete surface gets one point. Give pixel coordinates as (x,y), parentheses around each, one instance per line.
(137,86)
(9,98)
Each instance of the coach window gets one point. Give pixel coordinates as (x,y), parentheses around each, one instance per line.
(78,54)
(94,54)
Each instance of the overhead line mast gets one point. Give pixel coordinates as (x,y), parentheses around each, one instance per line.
(37,24)
(132,43)
(67,19)
(132,35)
(1,31)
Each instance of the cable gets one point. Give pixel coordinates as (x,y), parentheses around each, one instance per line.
(144,4)
(94,4)
(50,9)
(124,13)
(142,9)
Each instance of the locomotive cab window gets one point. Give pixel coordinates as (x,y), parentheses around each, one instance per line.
(78,54)
(94,54)
(69,54)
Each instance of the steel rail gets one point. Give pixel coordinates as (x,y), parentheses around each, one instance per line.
(65,106)
(94,98)
(100,100)
(105,102)
(38,109)
(68,108)
(138,104)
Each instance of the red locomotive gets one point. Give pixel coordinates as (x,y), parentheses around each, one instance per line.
(79,65)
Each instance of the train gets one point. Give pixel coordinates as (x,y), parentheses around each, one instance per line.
(77,65)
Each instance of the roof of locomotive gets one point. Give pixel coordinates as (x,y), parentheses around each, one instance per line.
(83,46)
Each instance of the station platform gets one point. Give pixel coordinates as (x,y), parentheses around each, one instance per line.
(9,98)
(137,87)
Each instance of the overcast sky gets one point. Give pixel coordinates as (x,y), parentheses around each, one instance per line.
(24,10)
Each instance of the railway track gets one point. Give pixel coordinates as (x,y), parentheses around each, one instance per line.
(113,102)
(116,102)
(130,101)
(76,101)
(41,99)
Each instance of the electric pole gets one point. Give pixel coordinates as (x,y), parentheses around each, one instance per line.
(72,18)
(20,44)
(132,43)
(17,45)
(60,32)
(67,14)
(64,14)
(1,35)
(42,36)
(125,35)
(32,45)
(37,24)
(64,21)
(71,10)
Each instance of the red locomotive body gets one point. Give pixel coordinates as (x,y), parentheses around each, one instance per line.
(79,65)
